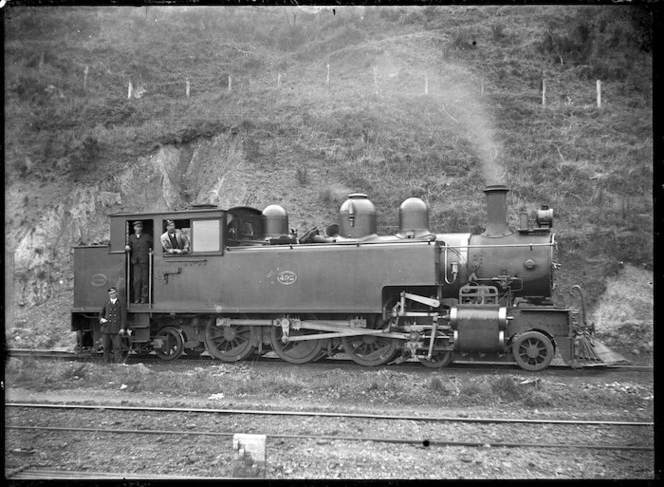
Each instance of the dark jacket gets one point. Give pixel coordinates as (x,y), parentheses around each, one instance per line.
(140,248)
(116,314)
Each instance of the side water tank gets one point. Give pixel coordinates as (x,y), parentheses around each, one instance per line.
(275,221)
(357,217)
(413,219)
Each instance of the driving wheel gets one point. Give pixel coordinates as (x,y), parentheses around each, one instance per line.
(369,350)
(230,343)
(296,352)
(438,359)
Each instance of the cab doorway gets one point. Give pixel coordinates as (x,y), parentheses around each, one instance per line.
(139,247)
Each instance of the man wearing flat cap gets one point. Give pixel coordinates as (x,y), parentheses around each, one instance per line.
(174,240)
(140,246)
(113,321)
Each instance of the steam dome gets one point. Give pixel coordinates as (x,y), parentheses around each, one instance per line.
(357,217)
(413,219)
(275,221)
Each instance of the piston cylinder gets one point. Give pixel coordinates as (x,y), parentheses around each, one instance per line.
(479,328)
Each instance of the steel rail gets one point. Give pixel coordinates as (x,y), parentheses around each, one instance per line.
(34,473)
(424,442)
(477,364)
(428,419)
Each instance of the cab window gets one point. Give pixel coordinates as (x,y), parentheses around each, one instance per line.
(206,236)
(247,229)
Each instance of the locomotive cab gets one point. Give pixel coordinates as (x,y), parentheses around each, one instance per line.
(172,276)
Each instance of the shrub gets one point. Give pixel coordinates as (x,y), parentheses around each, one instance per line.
(84,155)
(497,32)
(251,149)
(474,388)
(302,176)
(609,40)
(75,371)
(507,388)
(538,399)
(326,197)
(29,89)
(391,14)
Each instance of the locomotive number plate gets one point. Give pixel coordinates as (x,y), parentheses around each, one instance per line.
(98,280)
(286,277)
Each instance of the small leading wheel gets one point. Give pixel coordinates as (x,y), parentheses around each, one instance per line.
(532,350)
(369,350)
(230,343)
(172,343)
(299,352)
(438,359)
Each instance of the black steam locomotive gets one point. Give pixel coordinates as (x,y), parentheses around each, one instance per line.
(249,286)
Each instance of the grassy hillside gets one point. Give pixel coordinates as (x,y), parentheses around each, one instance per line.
(433,102)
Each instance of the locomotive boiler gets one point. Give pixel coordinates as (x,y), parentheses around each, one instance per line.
(249,286)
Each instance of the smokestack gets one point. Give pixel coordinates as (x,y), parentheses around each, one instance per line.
(496,202)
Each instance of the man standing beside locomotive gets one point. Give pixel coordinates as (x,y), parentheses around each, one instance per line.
(140,246)
(113,325)
(174,240)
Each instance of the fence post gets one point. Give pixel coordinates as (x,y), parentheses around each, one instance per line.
(85,77)
(278,80)
(543,92)
(129,91)
(328,74)
(229,83)
(599,94)
(188,87)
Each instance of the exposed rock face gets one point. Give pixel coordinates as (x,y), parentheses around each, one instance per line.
(628,298)
(625,313)
(204,171)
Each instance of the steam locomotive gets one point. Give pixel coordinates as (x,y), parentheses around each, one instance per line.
(249,286)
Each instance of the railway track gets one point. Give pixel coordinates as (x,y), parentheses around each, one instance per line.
(318,414)
(32,473)
(86,426)
(479,365)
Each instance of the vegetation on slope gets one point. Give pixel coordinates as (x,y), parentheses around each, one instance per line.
(433,102)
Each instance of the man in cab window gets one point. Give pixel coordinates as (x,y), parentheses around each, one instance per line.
(173,240)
